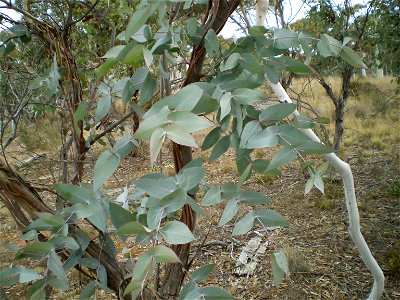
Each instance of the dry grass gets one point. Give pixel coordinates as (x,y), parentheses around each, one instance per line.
(42,134)
(372,114)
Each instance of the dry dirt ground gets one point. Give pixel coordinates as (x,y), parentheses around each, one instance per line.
(323,261)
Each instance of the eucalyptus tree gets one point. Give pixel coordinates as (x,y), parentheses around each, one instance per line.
(162,210)
(343,22)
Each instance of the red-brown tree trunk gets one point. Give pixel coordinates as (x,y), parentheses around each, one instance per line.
(175,273)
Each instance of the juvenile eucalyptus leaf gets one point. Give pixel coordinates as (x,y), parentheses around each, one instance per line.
(263,139)
(173,201)
(148,57)
(103,107)
(282,157)
(202,273)
(271,73)
(244,225)
(250,63)
(163,254)
(211,138)
(132,227)
(269,218)
(328,46)
(139,18)
(186,99)
(156,140)
(150,123)
(36,249)
(225,104)
(319,183)
(105,67)
(245,174)
(231,209)
(114,52)
(285,38)
(231,62)
(212,196)
(147,90)
(309,184)
(277,112)
(301,121)
(211,42)
(279,266)
(12,275)
(179,135)
(351,57)
(312,147)
(253,198)
(54,264)
(249,130)
(124,145)
(220,148)
(104,168)
(247,96)
(176,233)
(80,114)
(191,122)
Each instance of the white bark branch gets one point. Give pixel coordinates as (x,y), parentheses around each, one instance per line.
(348,182)
(344,170)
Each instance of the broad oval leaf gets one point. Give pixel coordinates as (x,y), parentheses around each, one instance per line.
(285,38)
(220,148)
(131,228)
(351,57)
(163,254)
(189,121)
(208,293)
(211,138)
(280,266)
(276,113)
(212,197)
(156,140)
(103,107)
(139,18)
(247,96)
(176,233)
(282,157)
(244,225)
(231,209)
(179,135)
(105,166)
(225,104)
(269,218)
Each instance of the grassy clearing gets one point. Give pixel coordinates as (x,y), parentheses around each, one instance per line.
(372,115)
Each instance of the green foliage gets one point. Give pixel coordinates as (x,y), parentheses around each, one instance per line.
(227,97)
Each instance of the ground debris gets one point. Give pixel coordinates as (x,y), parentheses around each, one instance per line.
(247,261)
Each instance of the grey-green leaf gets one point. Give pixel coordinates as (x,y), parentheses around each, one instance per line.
(105,166)
(176,233)
(156,140)
(220,148)
(231,209)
